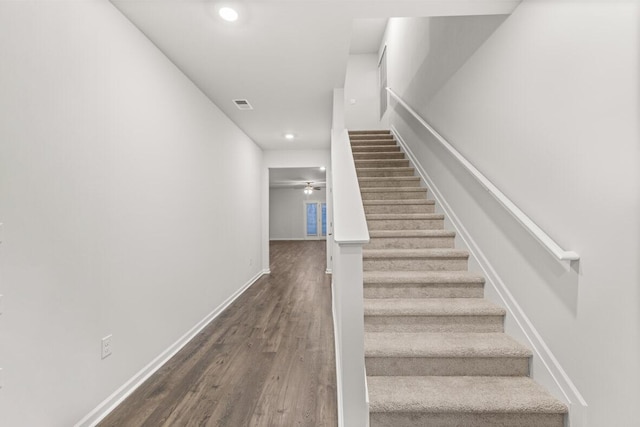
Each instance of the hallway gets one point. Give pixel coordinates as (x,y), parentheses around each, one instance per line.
(268,360)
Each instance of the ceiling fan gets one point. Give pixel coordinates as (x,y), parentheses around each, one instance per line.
(308,189)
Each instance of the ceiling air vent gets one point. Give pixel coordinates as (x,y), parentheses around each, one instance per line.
(242,104)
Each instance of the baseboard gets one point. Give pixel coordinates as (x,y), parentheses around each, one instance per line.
(111,402)
(553,373)
(336,346)
(285,239)
(266,271)
(328,271)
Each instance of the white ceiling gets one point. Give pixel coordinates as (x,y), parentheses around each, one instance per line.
(284,56)
(294,177)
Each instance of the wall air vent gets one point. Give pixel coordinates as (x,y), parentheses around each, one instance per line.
(242,104)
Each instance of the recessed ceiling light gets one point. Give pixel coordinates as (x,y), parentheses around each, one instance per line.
(322,168)
(289,136)
(228,14)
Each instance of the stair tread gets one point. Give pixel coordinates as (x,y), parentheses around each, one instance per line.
(376,145)
(387,168)
(388,178)
(404,216)
(431,307)
(370,132)
(442,344)
(398,202)
(421,277)
(391,189)
(411,233)
(415,253)
(460,395)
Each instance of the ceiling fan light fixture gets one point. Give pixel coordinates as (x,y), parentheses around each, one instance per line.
(308,189)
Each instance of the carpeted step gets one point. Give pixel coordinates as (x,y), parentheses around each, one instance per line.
(406,206)
(414,259)
(466,354)
(370,132)
(396,181)
(387,193)
(382,172)
(432,315)
(375,148)
(370,137)
(409,401)
(378,155)
(370,142)
(382,163)
(428,221)
(410,239)
(422,284)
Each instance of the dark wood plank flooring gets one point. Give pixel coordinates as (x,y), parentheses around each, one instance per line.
(268,360)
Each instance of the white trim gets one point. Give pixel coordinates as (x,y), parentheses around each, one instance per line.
(286,238)
(266,271)
(111,402)
(554,372)
(520,216)
(336,346)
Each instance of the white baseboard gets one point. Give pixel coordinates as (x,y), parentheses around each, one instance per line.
(111,402)
(336,346)
(552,373)
(285,239)
(266,271)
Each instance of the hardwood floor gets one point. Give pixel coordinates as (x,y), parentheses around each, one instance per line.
(268,360)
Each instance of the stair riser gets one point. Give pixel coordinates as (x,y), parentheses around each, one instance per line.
(370,137)
(372,142)
(479,323)
(422,264)
(392,163)
(430,290)
(394,195)
(410,242)
(369,132)
(390,183)
(448,366)
(405,224)
(375,149)
(378,156)
(457,419)
(398,209)
(373,173)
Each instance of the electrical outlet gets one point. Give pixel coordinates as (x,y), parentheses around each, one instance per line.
(250,262)
(106,346)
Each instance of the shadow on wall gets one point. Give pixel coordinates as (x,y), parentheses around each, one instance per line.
(524,249)
(451,41)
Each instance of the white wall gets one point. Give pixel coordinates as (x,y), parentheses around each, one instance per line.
(118,209)
(548,109)
(286,212)
(362,102)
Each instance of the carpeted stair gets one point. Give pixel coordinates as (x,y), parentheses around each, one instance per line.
(435,351)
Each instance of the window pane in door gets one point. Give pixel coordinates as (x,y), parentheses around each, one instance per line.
(312,219)
(324,219)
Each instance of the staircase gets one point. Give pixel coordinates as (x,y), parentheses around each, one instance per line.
(435,350)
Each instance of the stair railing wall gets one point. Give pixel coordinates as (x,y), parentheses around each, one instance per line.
(422,143)
(543,238)
(350,232)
